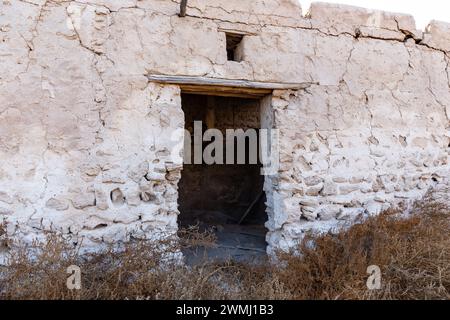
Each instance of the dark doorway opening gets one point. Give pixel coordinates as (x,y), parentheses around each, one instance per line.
(226,199)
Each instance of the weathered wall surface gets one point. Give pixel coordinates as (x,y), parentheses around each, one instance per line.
(83,146)
(373,131)
(85,139)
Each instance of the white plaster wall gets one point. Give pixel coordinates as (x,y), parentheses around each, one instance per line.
(372,132)
(79,118)
(74,129)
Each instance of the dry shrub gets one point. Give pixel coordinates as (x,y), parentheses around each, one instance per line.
(413,254)
(192,237)
(38,271)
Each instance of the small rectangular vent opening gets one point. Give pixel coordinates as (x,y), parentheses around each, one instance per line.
(234,52)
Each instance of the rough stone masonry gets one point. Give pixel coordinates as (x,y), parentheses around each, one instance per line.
(85,135)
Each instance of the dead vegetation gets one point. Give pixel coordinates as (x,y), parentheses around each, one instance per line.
(413,254)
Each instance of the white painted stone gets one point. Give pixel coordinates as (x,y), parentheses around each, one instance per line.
(84,200)
(349,214)
(328,212)
(57,204)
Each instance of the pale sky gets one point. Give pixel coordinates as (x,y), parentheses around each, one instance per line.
(423,10)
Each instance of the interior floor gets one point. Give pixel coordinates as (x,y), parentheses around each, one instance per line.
(233,242)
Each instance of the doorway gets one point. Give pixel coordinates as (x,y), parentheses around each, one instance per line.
(224,198)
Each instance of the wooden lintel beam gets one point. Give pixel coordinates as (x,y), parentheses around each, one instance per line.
(224,91)
(227,84)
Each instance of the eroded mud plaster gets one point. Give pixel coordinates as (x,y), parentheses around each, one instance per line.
(85,138)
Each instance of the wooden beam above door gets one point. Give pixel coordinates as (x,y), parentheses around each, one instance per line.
(225,87)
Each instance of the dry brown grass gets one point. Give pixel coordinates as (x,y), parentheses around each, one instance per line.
(413,254)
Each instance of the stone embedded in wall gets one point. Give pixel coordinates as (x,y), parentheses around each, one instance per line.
(139,172)
(133,198)
(57,204)
(330,188)
(313,181)
(328,212)
(101,199)
(350,213)
(346,189)
(83,200)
